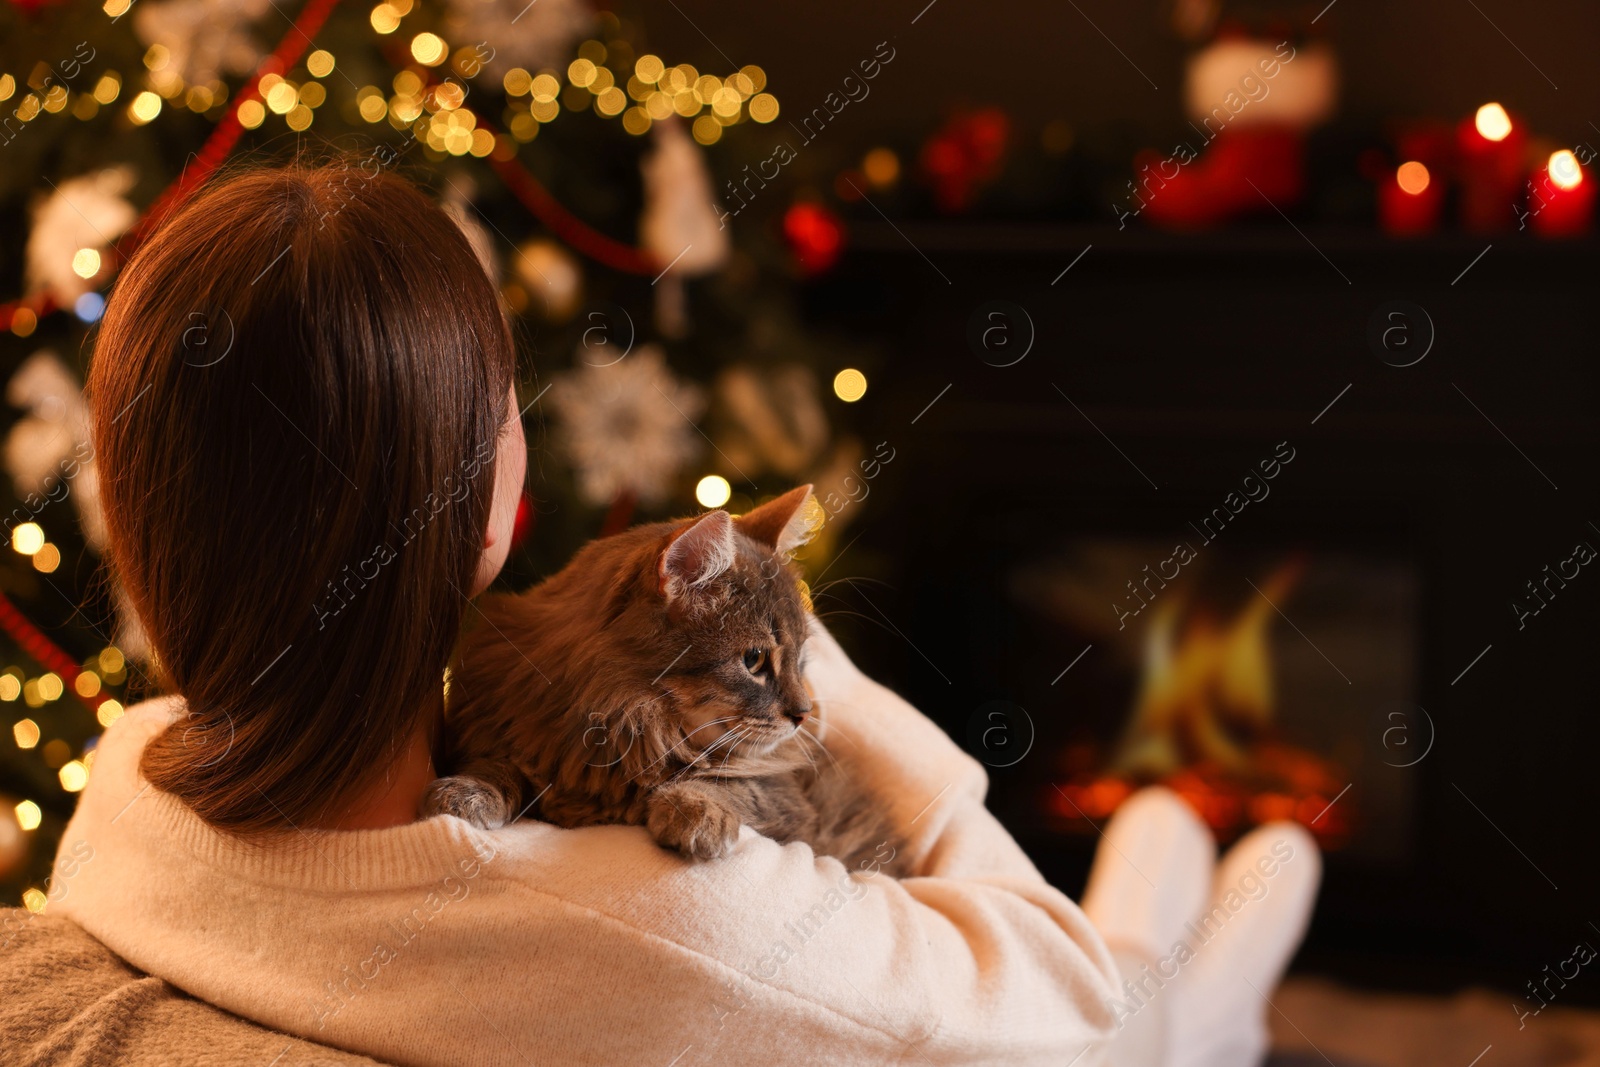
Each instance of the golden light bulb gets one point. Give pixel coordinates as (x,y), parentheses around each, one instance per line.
(713,491)
(636,120)
(282,98)
(1565,170)
(86,262)
(516,81)
(47,559)
(28,815)
(145,106)
(428,49)
(27,538)
(881,166)
(648,68)
(850,385)
(1413,177)
(26,733)
(1492,122)
(107,88)
(706,129)
(109,712)
(763,107)
(74,776)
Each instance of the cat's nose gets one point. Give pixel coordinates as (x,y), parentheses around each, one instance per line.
(798,716)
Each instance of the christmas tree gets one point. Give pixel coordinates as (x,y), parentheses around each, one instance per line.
(664,362)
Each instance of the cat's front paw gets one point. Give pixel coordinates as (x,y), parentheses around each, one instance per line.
(466,798)
(691,821)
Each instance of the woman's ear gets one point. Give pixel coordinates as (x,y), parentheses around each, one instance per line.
(510,469)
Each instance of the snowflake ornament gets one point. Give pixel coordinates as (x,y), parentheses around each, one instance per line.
(516,33)
(204,39)
(86,212)
(627,424)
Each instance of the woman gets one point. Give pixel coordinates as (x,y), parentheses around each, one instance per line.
(311,454)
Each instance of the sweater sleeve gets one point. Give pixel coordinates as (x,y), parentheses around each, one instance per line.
(976,959)
(932,789)
(773,954)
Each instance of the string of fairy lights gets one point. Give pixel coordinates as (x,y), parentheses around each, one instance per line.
(426,98)
(423,99)
(606,77)
(107,668)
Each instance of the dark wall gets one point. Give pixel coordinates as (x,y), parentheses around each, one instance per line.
(1046,60)
(1194,355)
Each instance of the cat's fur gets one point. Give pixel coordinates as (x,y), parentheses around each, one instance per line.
(621,690)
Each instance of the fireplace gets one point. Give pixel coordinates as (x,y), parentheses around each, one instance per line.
(1391,696)
(1209,683)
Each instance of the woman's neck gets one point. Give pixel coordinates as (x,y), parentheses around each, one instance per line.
(393,800)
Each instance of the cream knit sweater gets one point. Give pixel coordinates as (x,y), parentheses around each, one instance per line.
(436,943)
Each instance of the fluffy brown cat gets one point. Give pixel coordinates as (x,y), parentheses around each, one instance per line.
(657,681)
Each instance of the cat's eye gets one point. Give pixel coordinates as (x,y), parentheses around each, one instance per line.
(755,660)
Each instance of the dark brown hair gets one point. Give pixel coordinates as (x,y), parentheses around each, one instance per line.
(297,391)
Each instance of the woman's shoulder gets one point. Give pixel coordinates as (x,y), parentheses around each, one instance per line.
(144,720)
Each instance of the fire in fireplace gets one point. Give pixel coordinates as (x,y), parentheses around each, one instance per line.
(1254,688)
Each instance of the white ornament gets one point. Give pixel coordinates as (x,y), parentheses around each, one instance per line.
(516,33)
(775,417)
(1245,82)
(48,448)
(551,276)
(83,212)
(204,39)
(681,224)
(627,424)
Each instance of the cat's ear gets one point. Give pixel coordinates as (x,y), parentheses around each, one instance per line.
(696,554)
(786,523)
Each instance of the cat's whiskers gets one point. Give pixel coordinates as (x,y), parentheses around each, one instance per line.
(852,613)
(743,732)
(806,737)
(730,739)
(802,750)
(824,588)
(683,740)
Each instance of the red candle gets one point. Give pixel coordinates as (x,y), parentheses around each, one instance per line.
(1560,198)
(1409,201)
(1491,169)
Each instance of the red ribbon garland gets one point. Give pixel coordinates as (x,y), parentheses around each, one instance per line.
(566,226)
(219,144)
(45,651)
(225,136)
